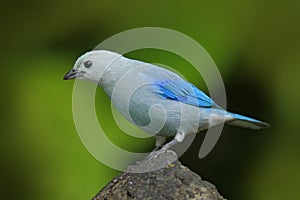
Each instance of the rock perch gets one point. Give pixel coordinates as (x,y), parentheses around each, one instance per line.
(172,180)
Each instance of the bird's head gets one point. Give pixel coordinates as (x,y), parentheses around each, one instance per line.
(91,65)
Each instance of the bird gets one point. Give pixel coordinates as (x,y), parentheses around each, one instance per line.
(155,99)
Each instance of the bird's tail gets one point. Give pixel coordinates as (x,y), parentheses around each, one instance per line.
(246,122)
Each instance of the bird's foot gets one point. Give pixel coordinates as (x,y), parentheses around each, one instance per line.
(156,153)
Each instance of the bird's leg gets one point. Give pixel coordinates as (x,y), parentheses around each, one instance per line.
(178,138)
(160,140)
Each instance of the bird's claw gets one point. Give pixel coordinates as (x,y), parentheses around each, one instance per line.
(154,154)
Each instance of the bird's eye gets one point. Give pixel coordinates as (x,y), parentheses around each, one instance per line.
(87,64)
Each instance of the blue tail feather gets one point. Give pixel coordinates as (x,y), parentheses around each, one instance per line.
(247,122)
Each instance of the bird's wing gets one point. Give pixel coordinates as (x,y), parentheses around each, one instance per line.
(182,91)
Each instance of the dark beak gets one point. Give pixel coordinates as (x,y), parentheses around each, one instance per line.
(71,74)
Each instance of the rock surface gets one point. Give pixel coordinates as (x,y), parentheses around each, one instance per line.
(172,180)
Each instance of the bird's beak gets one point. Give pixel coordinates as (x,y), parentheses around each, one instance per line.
(71,74)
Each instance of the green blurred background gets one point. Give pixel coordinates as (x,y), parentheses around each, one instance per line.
(255,44)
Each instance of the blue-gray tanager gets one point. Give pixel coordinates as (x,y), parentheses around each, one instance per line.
(154,98)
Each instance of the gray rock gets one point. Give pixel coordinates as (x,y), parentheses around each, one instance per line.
(163,177)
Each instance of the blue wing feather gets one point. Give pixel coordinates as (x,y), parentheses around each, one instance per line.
(185,92)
